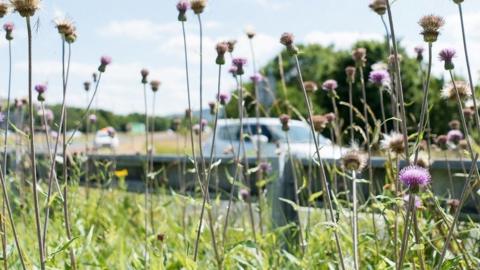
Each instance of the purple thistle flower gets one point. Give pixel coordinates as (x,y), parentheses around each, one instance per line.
(265,167)
(183,6)
(92,118)
(284,121)
(447,55)
(8,26)
(233,70)
(419,51)
(223,98)
(104,62)
(49,115)
(203,124)
(244,194)
(256,78)
(417,202)
(40,88)
(454,136)
(379,77)
(330,85)
(414,177)
(239,62)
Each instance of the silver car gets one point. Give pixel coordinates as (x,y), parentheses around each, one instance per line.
(272,140)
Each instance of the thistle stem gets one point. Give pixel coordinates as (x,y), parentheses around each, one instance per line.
(355,221)
(147,172)
(406,231)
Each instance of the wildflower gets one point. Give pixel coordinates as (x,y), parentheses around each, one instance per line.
(8,27)
(198,6)
(446,55)
(26,8)
(350,72)
(463,144)
(287,40)
(182,7)
(231,45)
(441,142)
(454,136)
(3,9)
(221,49)
(422,160)
(319,122)
(250,32)
(431,25)
(454,124)
(414,177)
(379,77)
(223,98)
(41,89)
(330,85)
(391,59)
(417,201)
(453,203)
(393,142)
(310,86)
(379,66)
(228,150)
(64,26)
(155,84)
(71,38)
(92,118)
(330,117)
(450,90)
(468,112)
(284,121)
(419,51)
(104,62)
(121,173)
(265,167)
(213,107)
(244,194)
(49,115)
(144,72)
(256,78)
(239,63)
(86,86)
(354,160)
(359,55)
(378,6)
(203,124)
(233,70)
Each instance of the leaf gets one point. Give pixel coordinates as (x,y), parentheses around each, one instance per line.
(215,164)
(61,248)
(315,196)
(291,258)
(291,203)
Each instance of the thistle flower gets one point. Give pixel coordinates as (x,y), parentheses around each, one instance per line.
(468,112)
(203,124)
(414,177)
(422,160)
(104,62)
(49,115)
(239,62)
(453,203)
(463,144)
(26,8)
(41,89)
(350,74)
(64,26)
(284,119)
(244,194)
(417,201)
(155,85)
(221,48)
(3,9)
(256,78)
(330,85)
(233,70)
(454,124)
(144,73)
(449,91)
(391,59)
(441,142)
(379,66)
(8,27)
(231,45)
(393,142)
(310,86)
(319,122)
(379,77)
(213,107)
(182,7)
(378,6)
(198,6)
(419,51)
(265,167)
(431,25)
(330,117)
(454,136)
(223,98)
(86,86)
(446,56)
(92,118)
(354,160)
(359,55)
(250,32)
(287,40)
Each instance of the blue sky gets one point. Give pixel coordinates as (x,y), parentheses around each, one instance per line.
(145,33)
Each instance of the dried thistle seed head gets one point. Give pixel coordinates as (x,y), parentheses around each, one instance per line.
(310,86)
(354,160)
(71,38)
(221,48)
(350,72)
(450,90)
(441,142)
(198,6)
(64,26)
(468,113)
(393,142)
(431,25)
(3,9)
(155,85)
(463,144)
(391,59)
(379,6)
(188,113)
(250,32)
(359,55)
(422,160)
(454,124)
(319,122)
(26,8)
(231,45)
(287,40)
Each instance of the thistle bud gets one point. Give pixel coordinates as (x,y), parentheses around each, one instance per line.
(144,72)
(104,62)
(287,40)
(182,7)
(8,27)
(284,119)
(359,55)
(86,86)
(155,85)
(350,72)
(198,6)
(213,107)
(41,89)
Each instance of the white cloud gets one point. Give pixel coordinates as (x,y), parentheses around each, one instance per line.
(341,40)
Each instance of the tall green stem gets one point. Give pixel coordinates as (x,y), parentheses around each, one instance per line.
(147,172)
